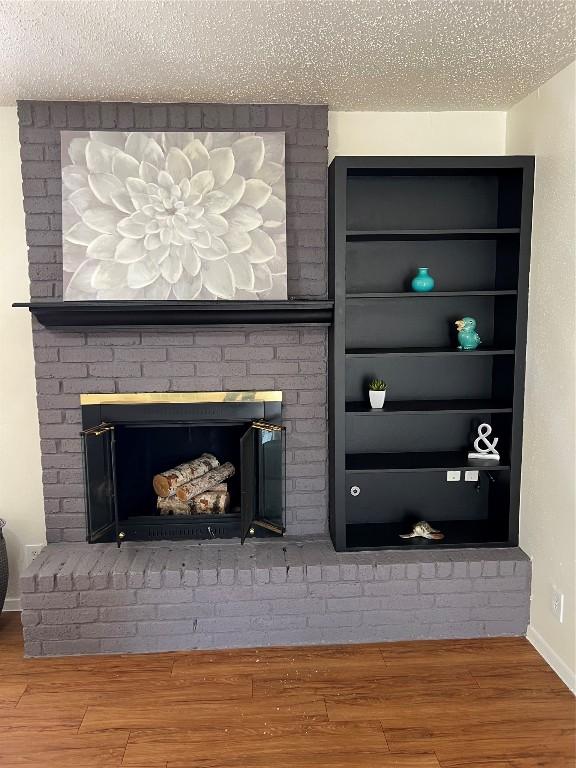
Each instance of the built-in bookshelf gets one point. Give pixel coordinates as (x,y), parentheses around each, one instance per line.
(468,219)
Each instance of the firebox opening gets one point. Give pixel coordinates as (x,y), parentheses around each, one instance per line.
(183,465)
(145,450)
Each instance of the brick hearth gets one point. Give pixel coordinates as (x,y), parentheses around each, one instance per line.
(96,598)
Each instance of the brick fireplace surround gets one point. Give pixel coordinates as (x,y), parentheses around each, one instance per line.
(80,598)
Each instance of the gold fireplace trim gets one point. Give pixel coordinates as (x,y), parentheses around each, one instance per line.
(134,398)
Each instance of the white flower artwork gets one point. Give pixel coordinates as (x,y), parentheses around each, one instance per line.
(173,215)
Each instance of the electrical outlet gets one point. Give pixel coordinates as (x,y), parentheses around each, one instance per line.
(558,604)
(31,551)
(471,476)
(453,475)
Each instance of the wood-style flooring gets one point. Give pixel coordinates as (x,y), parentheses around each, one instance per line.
(434,704)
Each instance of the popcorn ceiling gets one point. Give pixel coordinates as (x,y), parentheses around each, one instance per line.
(349,54)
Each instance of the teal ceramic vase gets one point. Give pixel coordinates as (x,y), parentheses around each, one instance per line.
(423,282)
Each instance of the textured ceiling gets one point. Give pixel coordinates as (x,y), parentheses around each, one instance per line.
(350,54)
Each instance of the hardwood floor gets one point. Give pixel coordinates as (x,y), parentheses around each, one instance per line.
(459,704)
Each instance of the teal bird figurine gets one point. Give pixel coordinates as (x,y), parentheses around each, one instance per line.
(467,336)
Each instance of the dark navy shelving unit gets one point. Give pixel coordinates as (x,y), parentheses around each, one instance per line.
(469,220)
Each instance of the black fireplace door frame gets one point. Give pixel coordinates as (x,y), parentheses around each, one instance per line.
(99,459)
(262,476)
(262,445)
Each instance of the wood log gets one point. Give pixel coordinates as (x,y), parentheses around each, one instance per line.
(210,503)
(214,502)
(165,483)
(172,506)
(205,482)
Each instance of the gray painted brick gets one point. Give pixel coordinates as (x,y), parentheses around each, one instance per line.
(457,600)
(193,116)
(52,632)
(507,598)
(127,613)
(30,618)
(501,584)
(490,568)
(108,629)
(105,598)
(460,570)
(177,116)
(499,628)
(25,112)
(334,605)
(109,115)
(266,623)
(309,636)
(522,568)
(437,586)
(245,608)
(382,571)
(474,570)
(501,613)
(366,572)
(306,605)
(444,570)
(133,645)
(86,354)
(458,630)
(166,627)
(185,611)
(408,602)
(395,587)
(92,116)
(33,188)
(70,616)
(349,619)
(70,647)
(166,596)
(339,589)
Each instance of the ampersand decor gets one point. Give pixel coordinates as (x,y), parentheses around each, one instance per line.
(489,450)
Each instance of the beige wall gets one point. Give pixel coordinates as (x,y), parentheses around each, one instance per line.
(21,504)
(416,133)
(543,124)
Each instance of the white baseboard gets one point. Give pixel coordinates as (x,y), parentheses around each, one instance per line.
(12,604)
(550,656)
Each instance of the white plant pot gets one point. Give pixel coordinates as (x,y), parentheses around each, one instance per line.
(377,398)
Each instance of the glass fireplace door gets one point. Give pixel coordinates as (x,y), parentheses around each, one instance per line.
(100,482)
(263,478)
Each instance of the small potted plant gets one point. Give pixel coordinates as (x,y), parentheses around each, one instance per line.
(377,393)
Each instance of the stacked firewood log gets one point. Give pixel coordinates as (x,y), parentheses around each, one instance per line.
(197,487)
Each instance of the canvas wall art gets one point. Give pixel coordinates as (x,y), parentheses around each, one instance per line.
(173,215)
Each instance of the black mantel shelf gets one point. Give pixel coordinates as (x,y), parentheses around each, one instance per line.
(113,315)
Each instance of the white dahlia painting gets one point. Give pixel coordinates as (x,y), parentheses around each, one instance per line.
(173,215)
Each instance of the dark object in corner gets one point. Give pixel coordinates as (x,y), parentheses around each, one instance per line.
(4,573)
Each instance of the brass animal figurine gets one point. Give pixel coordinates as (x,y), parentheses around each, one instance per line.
(423,530)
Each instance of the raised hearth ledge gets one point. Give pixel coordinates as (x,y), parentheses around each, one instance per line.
(118,315)
(168,596)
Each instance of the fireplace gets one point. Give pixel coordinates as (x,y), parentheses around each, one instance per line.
(231,444)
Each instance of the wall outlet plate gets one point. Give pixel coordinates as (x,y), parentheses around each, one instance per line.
(557,604)
(31,551)
(471,476)
(453,475)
